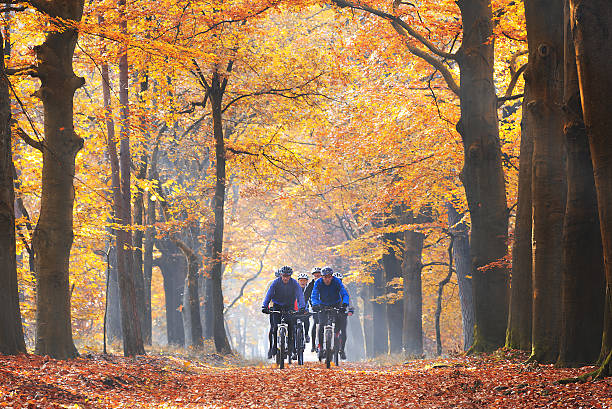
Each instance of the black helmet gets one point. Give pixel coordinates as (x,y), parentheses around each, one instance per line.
(326,271)
(286,270)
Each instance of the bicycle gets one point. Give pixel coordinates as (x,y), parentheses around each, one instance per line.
(331,335)
(282,337)
(300,343)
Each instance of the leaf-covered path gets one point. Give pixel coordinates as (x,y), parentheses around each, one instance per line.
(167,382)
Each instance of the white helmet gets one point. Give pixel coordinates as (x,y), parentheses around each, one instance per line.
(302,275)
(338,275)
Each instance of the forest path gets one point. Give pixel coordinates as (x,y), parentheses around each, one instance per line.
(168,382)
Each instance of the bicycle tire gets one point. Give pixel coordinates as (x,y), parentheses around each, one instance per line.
(336,348)
(328,350)
(299,343)
(281,349)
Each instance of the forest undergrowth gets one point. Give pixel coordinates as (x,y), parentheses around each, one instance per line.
(501,380)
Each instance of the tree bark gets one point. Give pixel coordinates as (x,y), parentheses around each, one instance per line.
(138,252)
(482,175)
(128,281)
(461,257)
(412,339)
(591,22)
(380,332)
(147,268)
(393,269)
(173,267)
(53,235)
(518,335)
(220,336)
(113,309)
(11,330)
(544,78)
(583,283)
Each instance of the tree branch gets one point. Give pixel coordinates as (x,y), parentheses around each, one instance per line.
(513,81)
(38,145)
(396,20)
(241,293)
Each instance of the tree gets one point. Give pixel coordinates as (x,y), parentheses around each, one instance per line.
(583,281)
(482,175)
(589,22)
(53,234)
(518,334)
(11,331)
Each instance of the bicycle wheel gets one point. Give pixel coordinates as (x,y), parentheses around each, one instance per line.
(328,349)
(299,344)
(281,350)
(336,348)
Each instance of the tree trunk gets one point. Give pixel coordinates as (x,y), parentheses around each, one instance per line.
(147,269)
(392,270)
(191,302)
(113,309)
(412,339)
(380,332)
(53,236)
(355,347)
(11,330)
(591,22)
(130,284)
(482,175)
(138,253)
(583,285)
(461,257)
(368,325)
(544,78)
(441,285)
(518,335)
(172,265)
(216,95)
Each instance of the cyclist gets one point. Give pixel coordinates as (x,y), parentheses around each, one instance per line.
(283,294)
(329,291)
(316,273)
(303,281)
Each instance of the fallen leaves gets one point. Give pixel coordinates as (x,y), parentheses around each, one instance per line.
(28,381)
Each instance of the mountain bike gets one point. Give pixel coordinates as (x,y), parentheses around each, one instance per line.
(331,337)
(300,343)
(282,338)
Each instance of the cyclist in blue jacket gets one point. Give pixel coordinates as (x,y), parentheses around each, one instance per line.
(283,293)
(328,292)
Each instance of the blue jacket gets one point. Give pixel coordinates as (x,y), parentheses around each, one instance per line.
(331,294)
(284,294)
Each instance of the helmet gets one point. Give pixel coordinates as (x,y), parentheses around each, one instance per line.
(326,271)
(277,273)
(316,270)
(286,270)
(303,275)
(338,275)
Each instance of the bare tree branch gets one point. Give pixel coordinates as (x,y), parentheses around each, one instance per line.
(241,293)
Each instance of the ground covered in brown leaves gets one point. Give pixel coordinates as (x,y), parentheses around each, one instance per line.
(497,381)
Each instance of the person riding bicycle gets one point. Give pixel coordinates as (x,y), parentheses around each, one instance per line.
(316,273)
(350,310)
(303,281)
(330,292)
(283,294)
